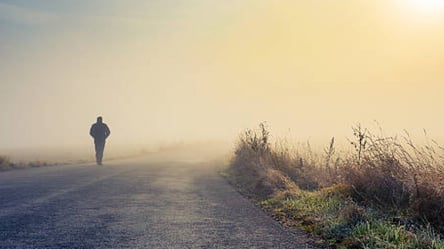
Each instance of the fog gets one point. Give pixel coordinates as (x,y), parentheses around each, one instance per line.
(168,72)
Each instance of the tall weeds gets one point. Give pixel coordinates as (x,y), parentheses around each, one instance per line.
(389,173)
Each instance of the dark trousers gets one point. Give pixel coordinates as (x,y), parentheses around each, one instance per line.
(100,146)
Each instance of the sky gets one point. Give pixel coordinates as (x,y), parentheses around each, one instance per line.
(197,70)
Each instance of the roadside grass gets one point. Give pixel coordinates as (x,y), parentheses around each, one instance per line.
(6,164)
(385,193)
(331,214)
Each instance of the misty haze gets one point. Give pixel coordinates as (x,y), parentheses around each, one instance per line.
(221,124)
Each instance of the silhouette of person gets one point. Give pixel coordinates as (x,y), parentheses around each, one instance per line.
(100,132)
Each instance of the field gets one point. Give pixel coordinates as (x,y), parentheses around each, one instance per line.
(383,192)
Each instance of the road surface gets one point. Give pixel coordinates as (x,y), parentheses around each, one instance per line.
(132,204)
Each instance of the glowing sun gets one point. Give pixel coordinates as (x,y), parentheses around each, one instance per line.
(426,6)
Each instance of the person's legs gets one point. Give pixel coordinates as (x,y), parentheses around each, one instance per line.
(97,151)
(100,146)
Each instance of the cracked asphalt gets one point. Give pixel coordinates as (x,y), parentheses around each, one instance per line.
(132,204)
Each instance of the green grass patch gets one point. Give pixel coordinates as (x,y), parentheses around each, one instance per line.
(331,214)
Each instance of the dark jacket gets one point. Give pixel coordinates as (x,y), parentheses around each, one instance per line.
(99,131)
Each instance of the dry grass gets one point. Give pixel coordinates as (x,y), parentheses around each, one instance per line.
(390,174)
(395,173)
(5,163)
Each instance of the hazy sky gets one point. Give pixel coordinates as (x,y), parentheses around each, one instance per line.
(195,70)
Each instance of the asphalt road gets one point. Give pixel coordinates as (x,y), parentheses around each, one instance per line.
(132,204)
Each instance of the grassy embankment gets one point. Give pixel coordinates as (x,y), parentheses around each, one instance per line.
(386,193)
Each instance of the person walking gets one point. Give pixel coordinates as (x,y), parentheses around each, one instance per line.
(100,132)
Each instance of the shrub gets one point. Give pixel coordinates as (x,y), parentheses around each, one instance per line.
(5,163)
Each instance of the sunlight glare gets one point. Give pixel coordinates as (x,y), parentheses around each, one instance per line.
(426,6)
